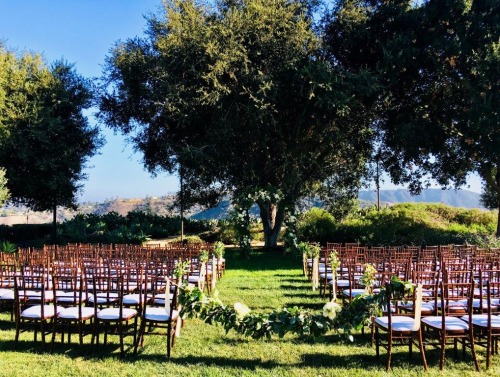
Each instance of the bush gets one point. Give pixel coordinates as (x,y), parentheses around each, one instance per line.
(188,240)
(400,224)
(317,225)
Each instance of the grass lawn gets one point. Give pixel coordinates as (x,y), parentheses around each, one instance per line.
(265,282)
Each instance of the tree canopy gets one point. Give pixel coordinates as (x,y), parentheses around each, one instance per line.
(241,97)
(47,139)
(438,68)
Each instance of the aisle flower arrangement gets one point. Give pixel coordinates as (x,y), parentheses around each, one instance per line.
(305,323)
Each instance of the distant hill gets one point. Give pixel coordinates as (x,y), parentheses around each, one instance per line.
(458,198)
(165,205)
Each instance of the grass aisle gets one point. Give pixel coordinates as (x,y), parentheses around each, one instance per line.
(265,282)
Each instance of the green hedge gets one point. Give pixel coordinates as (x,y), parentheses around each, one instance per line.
(400,224)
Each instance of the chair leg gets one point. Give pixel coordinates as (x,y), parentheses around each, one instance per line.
(389,352)
(169,337)
(410,349)
(489,346)
(473,350)
(422,350)
(140,336)
(120,334)
(42,329)
(443,349)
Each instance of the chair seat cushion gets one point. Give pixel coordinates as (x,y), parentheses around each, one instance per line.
(74,314)
(36,295)
(35,312)
(113,314)
(160,299)
(341,283)
(451,323)
(193,279)
(399,323)
(353,292)
(67,297)
(6,294)
(131,299)
(159,314)
(458,305)
(482,320)
(103,298)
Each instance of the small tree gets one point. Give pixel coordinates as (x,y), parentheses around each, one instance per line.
(48,138)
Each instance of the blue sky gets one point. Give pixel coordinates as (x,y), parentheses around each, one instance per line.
(82,32)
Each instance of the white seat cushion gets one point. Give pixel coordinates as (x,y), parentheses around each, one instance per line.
(451,323)
(160,299)
(73,313)
(455,305)
(159,314)
(113,314)
(35,312)
(132,299)
(341,283)
(399,323)
(102,298)
(353,292)
(36,295)
(7,295)
(482,320)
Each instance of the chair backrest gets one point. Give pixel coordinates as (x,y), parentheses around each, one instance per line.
(414,298)
(418,306)
(456,298)
(7,273)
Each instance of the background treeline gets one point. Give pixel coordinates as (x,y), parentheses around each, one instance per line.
(400,224)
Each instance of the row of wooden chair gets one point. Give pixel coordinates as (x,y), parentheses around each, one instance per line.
(457,308)
(63,293)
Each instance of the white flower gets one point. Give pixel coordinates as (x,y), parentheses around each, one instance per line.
(331,309)
(241,310)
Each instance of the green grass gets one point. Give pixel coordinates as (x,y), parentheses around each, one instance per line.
(265,282)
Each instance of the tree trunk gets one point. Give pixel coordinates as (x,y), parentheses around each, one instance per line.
(272,217)
(54,224)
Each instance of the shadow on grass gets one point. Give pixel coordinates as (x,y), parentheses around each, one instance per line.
(71,350)
(288,287)
(304,305)
(7,325)
(356,360)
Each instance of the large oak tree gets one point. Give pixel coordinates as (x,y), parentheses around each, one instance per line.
(241,97)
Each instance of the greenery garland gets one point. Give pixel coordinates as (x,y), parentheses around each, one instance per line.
(305,323)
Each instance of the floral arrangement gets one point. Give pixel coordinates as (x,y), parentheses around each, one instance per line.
(219,249)
(181,269)
(311,250)
(342,320)
(369,277)
(203,256)
(334,261)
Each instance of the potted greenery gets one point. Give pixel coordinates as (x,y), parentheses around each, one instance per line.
(7,247)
